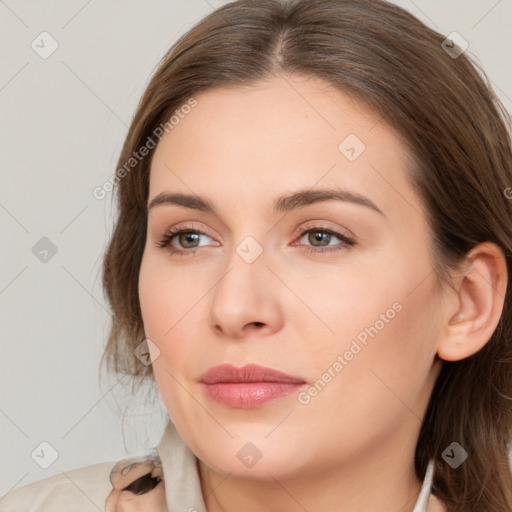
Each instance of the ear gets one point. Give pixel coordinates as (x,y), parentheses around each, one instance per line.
(478,303)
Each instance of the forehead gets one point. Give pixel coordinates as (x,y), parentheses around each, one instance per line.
(282,134)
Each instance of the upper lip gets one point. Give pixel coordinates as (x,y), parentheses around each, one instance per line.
(248,373)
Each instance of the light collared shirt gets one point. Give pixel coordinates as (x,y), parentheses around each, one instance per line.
(165,479)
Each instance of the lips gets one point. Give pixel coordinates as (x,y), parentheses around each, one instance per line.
(225,373)
(247,387)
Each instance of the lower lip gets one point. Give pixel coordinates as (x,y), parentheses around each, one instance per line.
(247,395)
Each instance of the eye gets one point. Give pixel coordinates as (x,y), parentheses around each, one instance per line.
(188,239)
(323,237)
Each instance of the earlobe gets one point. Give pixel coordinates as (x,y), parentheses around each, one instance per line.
(480,298)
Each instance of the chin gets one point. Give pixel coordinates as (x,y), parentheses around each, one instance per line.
(254,457)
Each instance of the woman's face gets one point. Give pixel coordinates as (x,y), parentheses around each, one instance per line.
(267,277)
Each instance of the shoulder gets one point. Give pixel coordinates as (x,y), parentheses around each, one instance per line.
(81,489)
(99,487)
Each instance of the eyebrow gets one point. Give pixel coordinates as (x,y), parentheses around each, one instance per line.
(296,200)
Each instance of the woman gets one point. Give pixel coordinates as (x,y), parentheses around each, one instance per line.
(311,260)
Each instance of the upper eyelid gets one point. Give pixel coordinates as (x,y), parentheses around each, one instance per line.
(311,224)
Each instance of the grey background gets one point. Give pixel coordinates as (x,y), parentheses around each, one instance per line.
(63,122)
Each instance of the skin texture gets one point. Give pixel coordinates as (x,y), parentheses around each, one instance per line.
(241,149)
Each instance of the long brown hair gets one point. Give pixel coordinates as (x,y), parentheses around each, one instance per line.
(459,135)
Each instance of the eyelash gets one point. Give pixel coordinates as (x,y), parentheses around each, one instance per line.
(167,238)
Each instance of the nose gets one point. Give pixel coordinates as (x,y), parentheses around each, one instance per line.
(246,300)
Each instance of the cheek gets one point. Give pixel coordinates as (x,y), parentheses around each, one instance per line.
(173,316)
(164,302)
(388,302)
(383,389)
(153,302)
(388,347)
(167,308)
(386,327)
